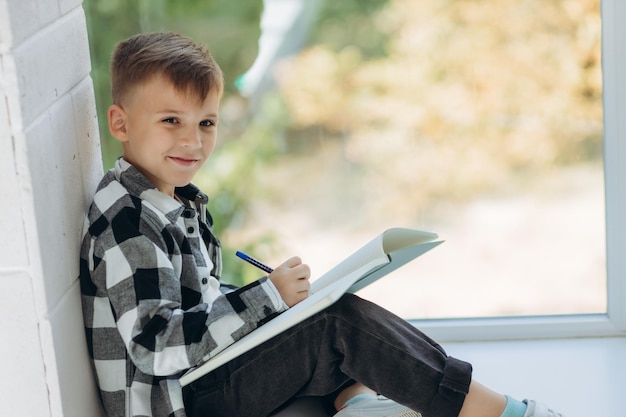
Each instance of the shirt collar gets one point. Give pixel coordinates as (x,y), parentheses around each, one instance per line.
(137,184)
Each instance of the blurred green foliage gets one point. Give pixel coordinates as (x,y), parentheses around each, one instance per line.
(469,96)
(349,23)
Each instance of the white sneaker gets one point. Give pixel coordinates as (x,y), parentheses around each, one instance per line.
(539,410)
(378,406)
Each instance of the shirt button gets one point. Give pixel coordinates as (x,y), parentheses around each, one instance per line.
(205,281)
(190,230)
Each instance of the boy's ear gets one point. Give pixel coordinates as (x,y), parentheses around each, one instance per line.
(117,123)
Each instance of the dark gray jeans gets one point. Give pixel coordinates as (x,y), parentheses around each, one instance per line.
(352,340)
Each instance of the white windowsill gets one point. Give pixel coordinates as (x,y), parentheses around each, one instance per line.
(577,376)
(519,328)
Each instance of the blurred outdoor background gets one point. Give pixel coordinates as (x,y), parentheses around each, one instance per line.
(480,120)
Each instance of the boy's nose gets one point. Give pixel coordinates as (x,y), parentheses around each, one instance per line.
(191,138)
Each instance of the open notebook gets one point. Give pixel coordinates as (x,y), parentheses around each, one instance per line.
(382,255)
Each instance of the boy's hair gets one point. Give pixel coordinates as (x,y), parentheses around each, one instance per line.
(188,65)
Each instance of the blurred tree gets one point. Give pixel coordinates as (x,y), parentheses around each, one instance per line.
(346,23)
(469,95)
(108,22)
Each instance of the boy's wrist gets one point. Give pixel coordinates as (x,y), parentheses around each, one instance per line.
(278,301)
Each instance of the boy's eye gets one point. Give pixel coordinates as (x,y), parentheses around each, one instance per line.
(207,123)
(170,120)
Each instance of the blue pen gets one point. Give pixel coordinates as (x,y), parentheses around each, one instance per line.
(254,262)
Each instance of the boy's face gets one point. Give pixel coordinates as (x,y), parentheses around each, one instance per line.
(167,134)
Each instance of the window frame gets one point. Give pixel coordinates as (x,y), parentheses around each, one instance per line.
(613,322)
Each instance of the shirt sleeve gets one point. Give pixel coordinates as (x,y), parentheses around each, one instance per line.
(145,297)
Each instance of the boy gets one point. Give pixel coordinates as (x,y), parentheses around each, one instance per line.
(153,304)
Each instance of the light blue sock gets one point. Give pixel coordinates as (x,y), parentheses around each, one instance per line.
(514,408)
(356,399)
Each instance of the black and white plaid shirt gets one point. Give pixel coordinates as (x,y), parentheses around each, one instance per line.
(152,303)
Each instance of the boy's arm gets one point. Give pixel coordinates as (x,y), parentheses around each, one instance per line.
(145,297)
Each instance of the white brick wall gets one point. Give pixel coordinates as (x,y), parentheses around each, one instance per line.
(49,166)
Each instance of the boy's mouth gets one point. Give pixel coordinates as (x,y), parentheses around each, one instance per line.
(183,161)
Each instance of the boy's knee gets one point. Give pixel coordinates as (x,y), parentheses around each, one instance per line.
(348,301)
(351,305)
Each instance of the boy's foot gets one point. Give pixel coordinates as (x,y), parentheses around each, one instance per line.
(539,410)
(378,406)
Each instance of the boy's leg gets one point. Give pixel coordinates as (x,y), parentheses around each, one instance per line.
(482,401)
(351,340)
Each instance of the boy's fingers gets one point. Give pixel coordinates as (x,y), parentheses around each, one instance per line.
(303,271)
(292,262)
(297,267)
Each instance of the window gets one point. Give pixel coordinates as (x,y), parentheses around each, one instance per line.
(374,101)
(614,321)
(481,123)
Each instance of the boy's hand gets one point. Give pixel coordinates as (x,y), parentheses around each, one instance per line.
(291,279)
